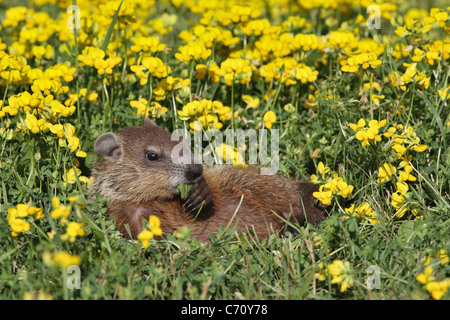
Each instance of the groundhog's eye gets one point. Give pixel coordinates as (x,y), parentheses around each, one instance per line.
(152,156)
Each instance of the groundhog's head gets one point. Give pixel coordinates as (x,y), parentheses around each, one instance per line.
(144,164)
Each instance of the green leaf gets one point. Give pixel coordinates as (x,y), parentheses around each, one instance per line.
(184,189)
(110,29)
(405,231)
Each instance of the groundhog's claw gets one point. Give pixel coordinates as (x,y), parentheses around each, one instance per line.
(199,196)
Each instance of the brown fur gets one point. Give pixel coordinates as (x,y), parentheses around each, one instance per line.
(241,197)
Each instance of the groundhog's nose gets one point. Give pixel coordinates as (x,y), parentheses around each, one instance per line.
(194,171)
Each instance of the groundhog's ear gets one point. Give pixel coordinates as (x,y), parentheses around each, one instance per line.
(149,122)
(108,146)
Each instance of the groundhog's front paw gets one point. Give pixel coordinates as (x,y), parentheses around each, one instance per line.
(199,196)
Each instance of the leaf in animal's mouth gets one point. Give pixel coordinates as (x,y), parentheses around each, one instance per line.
(184,189)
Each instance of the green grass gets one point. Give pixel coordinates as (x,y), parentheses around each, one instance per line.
(34,169)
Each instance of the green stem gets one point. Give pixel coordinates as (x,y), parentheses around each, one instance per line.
(232,103)
(410,108)
(150,96)
(74,2)
(30,151)
(191,69)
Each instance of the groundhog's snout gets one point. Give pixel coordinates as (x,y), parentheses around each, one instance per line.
(194,171)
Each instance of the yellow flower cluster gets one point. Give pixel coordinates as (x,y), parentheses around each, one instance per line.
(150,66)
(211,114)
(72,175)
(41,110)
(150,231)
(74,229)
(230,154)
(332,185)
(404,139)
(340,271)
(288,71)
(437,288)
(166,87)
(367,135)
(236,69)
(403,142)
(441,254)
(208,36)
(92,56)
(41,295)
(147,45)
(411,75)
(143,108)
(269,118)
(60,259)
(62,212)
(16,217)
(365,60)
(421,24)
(194,51)
(363,211)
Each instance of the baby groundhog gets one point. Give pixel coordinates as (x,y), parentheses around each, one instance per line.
(138,178)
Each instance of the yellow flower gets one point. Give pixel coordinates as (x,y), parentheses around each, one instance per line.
(212,114)
(155,225)
(41,295)
(322,274)
(250,101)
(71,176)
(322,169)
(150,66)
(425,276)
(405,140)
(126,12)
(194,51)
(151,230)
(402,187)
(323,196)
(73,230)
(365,60)
(142,108)
(202,71)
(269,118)
(89,55)
(59,210)
(107,65)
(399,203)
(406,174)
(305,74)
(256,27)
(17,225)
(444,93)
(367,135)
(65,260)
(35,125)
(40,51)
(145,236)
(363,211)
(438,288)
(147,44)
(343,188)
(385,172)
(236,69)
(229,153)
(15,217)
(341,273)
(443,256)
